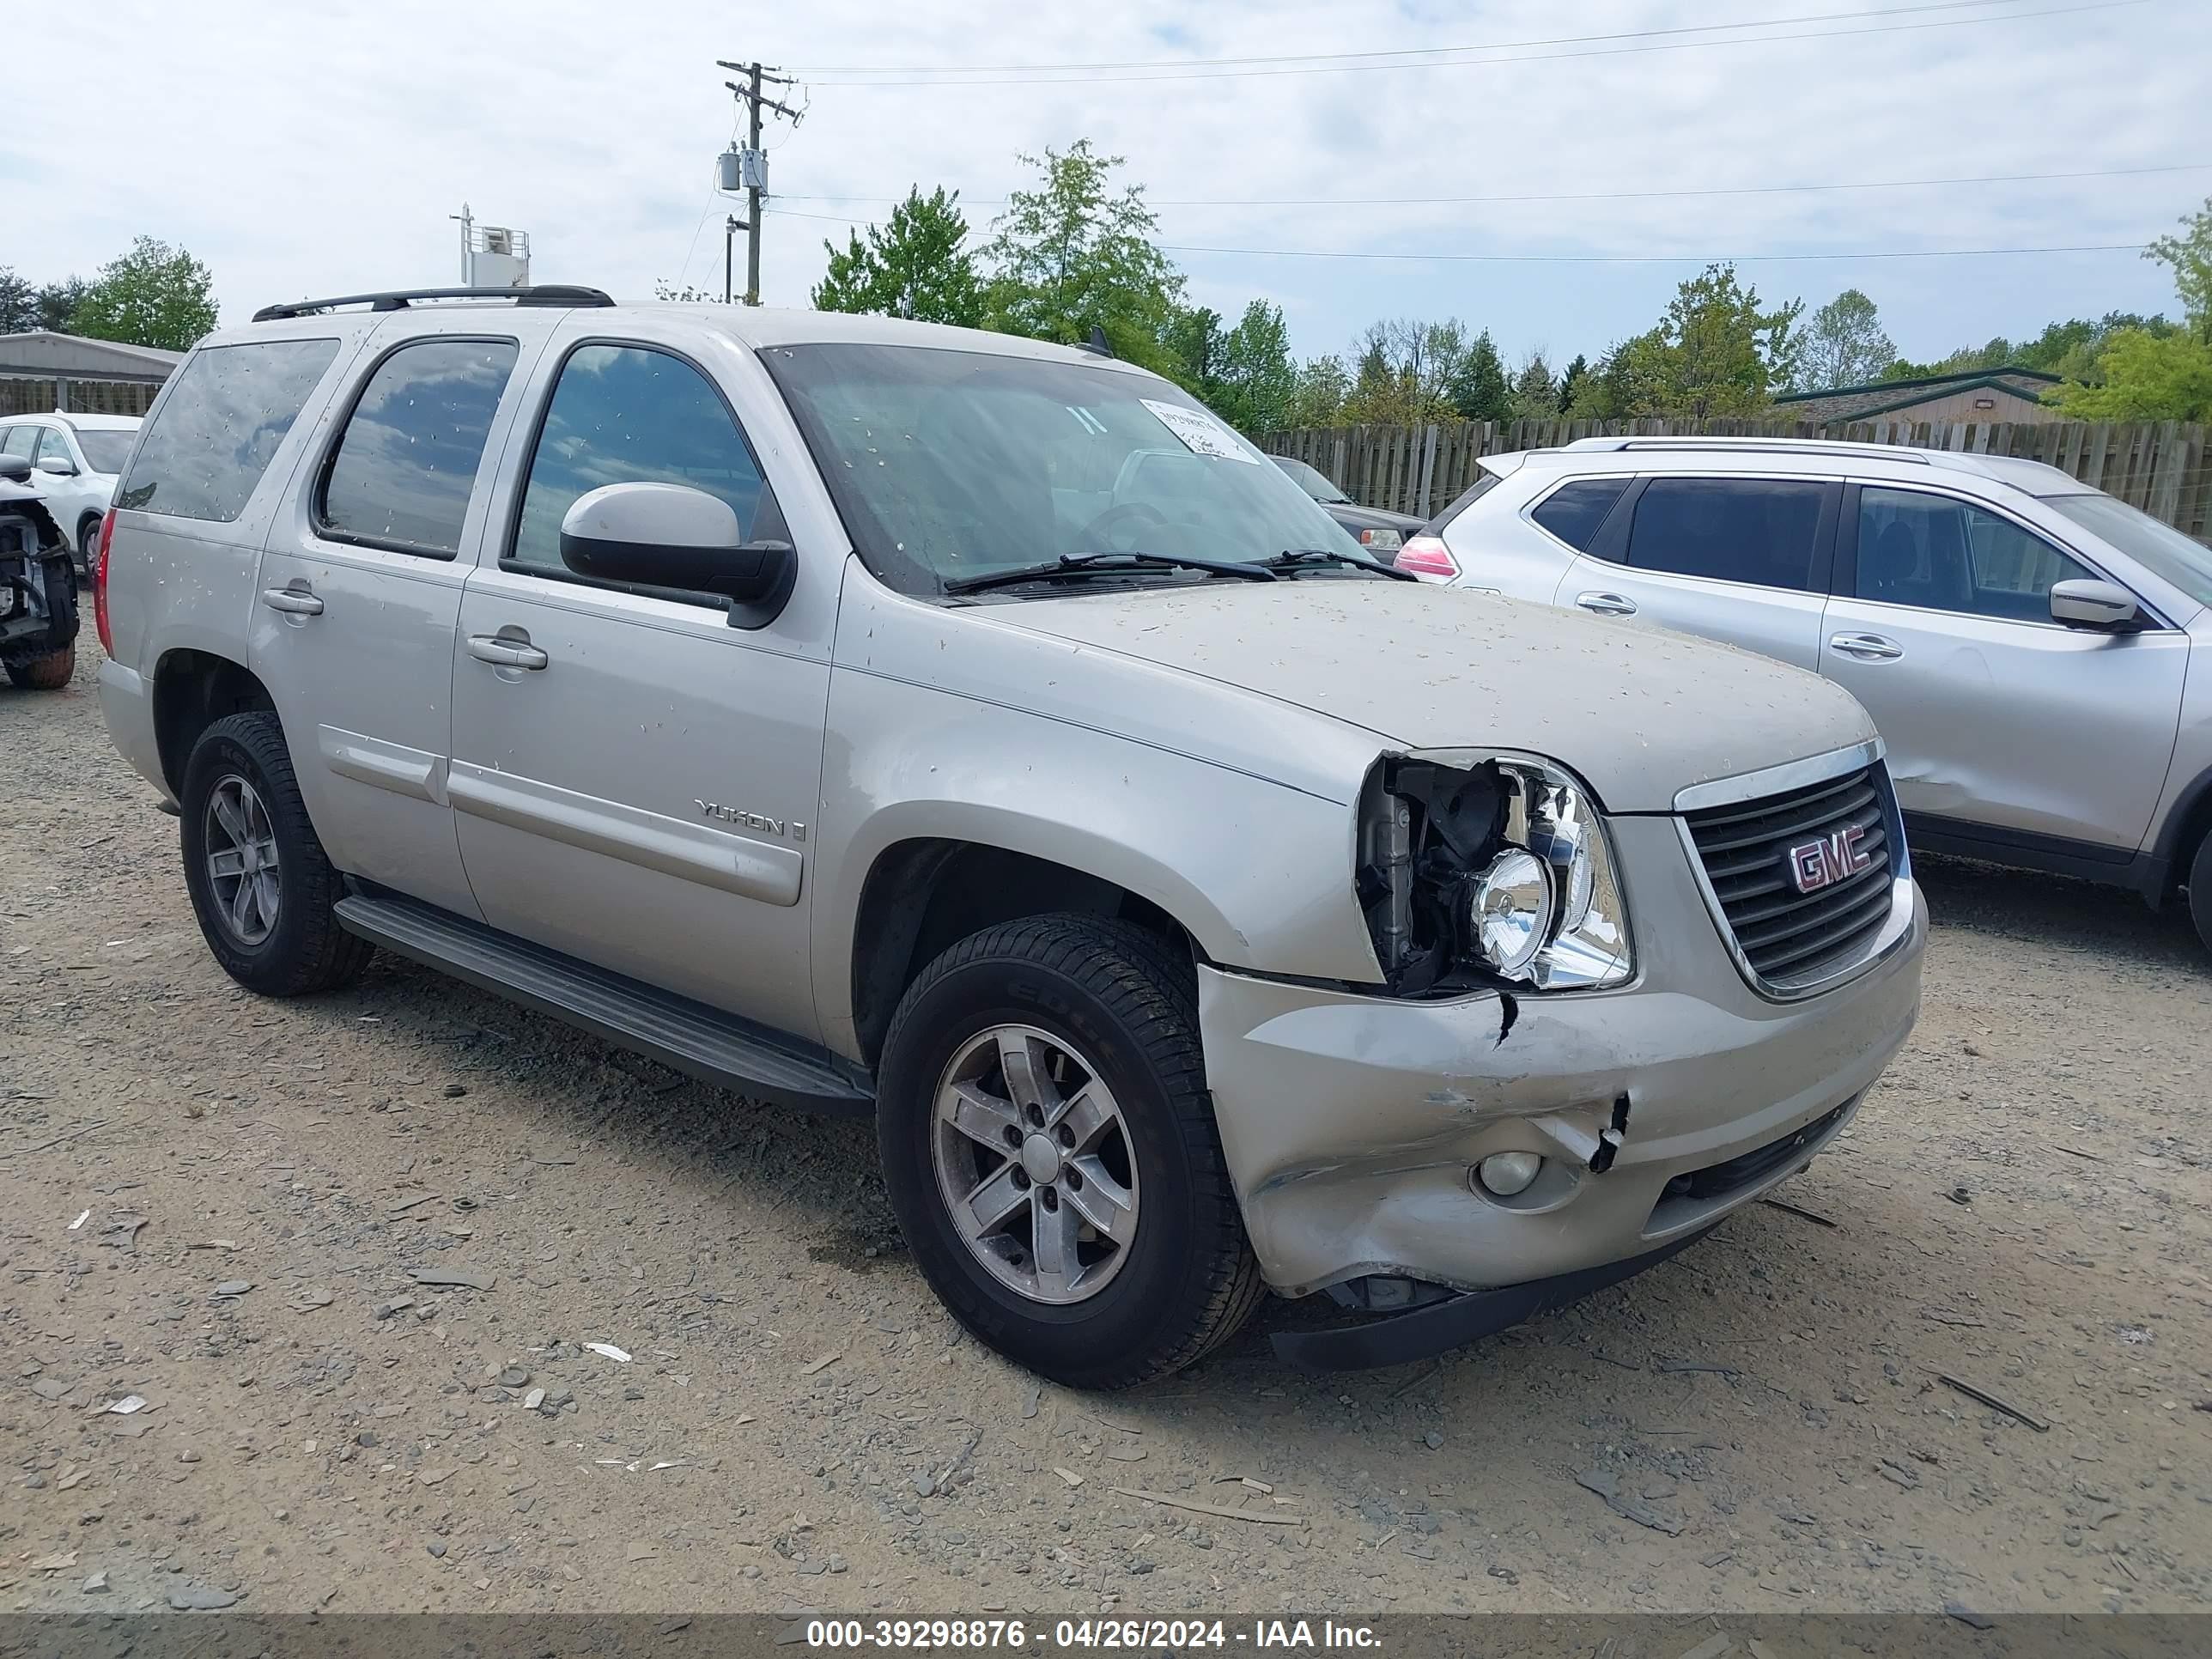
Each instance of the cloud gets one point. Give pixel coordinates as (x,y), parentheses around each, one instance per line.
(321,149)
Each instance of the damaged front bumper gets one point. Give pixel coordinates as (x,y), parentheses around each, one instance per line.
(1352,1124)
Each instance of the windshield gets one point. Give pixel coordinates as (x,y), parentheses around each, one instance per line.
(105,451)
(948,466)
(2164,550)
(1312,479)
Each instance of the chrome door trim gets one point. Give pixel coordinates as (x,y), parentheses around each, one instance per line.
(1778,780)
(690,852)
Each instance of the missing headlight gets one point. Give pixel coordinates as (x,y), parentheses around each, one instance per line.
(1488,869)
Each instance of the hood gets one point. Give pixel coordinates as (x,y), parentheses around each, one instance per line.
(1638,713)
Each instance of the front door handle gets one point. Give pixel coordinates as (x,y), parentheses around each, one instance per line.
(1607,605)
(1867,648)
(507,651)
(295,601)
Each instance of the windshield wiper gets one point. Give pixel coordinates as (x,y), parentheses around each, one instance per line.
(1296,558)
(1073,566)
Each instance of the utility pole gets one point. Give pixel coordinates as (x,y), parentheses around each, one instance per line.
(731,227)
(752,167)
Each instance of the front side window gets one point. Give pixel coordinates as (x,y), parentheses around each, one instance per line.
(1938,553)
(1576,512)
(406,464)
(629,415)
(1759,530)
(220,426)
(950,466)
(53,446)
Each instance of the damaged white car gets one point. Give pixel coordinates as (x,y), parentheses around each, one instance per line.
(975,733)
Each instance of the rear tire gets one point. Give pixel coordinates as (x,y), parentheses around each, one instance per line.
(1086,1000)
(261,884)
(48,673)
(87,542)
(2200,890)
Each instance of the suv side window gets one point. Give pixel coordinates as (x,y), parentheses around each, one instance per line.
(220,425)
(19,440)
(628,415)
(1576,512)
(401,473)
(1939,553)
(53,444)
(1760,531)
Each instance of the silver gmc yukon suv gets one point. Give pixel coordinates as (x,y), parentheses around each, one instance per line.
(973,733)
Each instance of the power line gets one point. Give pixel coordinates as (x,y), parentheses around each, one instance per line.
(1400,52)
(1596,194)
(1653,258)
(1533,58)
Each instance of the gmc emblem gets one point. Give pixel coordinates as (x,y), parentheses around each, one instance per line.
(1823,863)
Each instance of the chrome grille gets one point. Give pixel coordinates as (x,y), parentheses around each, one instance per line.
(1788,939)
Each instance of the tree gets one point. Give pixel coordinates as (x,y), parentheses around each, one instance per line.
(1844,344)
(917,266)
(2189,255)
(1253,382)
(1406,371)
(1534,395)
(58,303)
(1571,381)
(1479,389)
(1193,339)
(1716,352)
(19,303)
(685,294)
(153,295)
(1075,254)
(1318,392)
(2144,377)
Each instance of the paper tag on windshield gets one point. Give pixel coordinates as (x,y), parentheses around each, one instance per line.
(1200,432)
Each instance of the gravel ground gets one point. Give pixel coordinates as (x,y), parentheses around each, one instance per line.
(213,1203)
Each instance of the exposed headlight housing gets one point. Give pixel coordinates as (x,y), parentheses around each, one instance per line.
(1489,869)
(1381,540)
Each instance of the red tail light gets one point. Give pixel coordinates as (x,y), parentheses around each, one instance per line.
(1427,556)
(99,584)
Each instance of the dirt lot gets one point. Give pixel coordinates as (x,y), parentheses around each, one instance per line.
(2023,1205)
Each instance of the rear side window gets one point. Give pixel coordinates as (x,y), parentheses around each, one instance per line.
(1576,512)
(1734,529)
(220,427)
(623,414)
(403,470)
(19,440)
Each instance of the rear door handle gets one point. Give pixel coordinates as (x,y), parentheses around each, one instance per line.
(507,652)
(1607,605)
(1867,648)
(292,601)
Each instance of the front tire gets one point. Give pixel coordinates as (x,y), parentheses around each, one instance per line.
(1050,1150)
(261,884)
(48,673)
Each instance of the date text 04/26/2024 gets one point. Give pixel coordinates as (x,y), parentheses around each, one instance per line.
(1140,1635)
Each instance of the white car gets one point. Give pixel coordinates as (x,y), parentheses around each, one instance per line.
(76,459)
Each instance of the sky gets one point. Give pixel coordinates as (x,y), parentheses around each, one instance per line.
(319,149)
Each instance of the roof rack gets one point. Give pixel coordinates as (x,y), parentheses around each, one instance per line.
(1758,445)
(399,299)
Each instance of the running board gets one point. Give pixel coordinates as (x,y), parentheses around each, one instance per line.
(688,1035)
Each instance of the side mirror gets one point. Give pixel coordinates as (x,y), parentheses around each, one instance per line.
(60,465)
(665,535)
(2086,604)
(14,469)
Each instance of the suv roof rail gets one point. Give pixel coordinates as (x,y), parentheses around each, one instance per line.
(1758,445)
(548,294)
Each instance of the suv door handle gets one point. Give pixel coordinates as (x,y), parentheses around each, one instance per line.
(1607,605)
(1867,648)
(292,601)
(510,651)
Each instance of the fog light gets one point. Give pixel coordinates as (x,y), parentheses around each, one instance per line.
(1504,1174)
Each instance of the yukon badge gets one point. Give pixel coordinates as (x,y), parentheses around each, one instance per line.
(1823,863)
(765,825)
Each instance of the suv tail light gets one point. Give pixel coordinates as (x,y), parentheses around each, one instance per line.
(99,584)
(1427,556)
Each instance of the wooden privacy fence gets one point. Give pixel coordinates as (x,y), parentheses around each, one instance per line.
(25,396)
(2158,466)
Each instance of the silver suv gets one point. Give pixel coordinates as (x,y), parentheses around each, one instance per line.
(973,733)
(2024,643)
